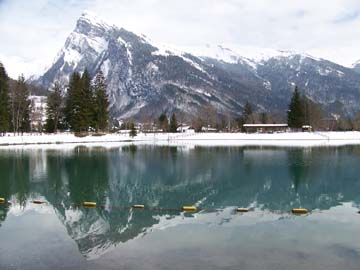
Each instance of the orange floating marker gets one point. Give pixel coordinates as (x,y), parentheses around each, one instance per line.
(89,204)
(299,211)
(189,208)
(139,206)
(242,210)
(37,202)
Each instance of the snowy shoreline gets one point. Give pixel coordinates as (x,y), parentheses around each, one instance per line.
(301,139)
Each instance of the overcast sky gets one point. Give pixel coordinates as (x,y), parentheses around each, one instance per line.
(32,31)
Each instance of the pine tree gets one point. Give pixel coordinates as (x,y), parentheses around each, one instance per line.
(101,104)
(173,124)
(296,114)
(247,112)
(54,109)
(73,103)
(4,101)
(133,131)
(245,117)
(163,122)
(79,103)
(87,110)
(20,106)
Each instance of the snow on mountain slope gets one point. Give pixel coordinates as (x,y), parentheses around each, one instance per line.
(86,40)
(234,54)
(93,19)
(146,78)
(163,49)
(84,44)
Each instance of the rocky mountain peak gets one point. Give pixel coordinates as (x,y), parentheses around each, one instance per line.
(146,78)
(89,21)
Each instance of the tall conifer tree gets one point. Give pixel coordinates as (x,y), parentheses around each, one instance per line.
(4,101)
(101,103)
(163,122)
(296,114)
(173,124)
(133,131)
(73,103)
(247,112)
(87,109)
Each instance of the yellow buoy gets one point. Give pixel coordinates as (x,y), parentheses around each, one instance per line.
(299,211)
(37,202)
(139,206)
(242,210)
(189,208)
(89,204)
(2,200)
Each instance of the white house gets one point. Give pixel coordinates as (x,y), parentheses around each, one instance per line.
(185,129)
(38,112)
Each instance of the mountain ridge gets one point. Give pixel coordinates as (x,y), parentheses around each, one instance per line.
(146,78)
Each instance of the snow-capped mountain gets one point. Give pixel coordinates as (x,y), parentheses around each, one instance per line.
(146,78)
(232,54)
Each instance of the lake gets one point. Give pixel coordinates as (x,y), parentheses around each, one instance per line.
(62,234)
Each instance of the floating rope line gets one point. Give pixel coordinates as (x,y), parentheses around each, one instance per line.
(296,211)
(191,209)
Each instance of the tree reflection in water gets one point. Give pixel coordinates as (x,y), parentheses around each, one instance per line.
(170,177)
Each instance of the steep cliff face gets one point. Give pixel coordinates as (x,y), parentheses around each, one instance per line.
(146,78)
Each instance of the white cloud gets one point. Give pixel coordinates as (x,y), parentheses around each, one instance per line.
(16,66)
(33,30)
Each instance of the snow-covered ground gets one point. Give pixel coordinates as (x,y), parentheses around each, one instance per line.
(190,139)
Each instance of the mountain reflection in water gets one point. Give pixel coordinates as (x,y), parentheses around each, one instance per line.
(269,179)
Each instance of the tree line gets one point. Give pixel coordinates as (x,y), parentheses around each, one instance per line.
(14,104)
(84,107)
(162,123)
(301,111)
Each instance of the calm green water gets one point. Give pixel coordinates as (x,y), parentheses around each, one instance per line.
(271,181)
